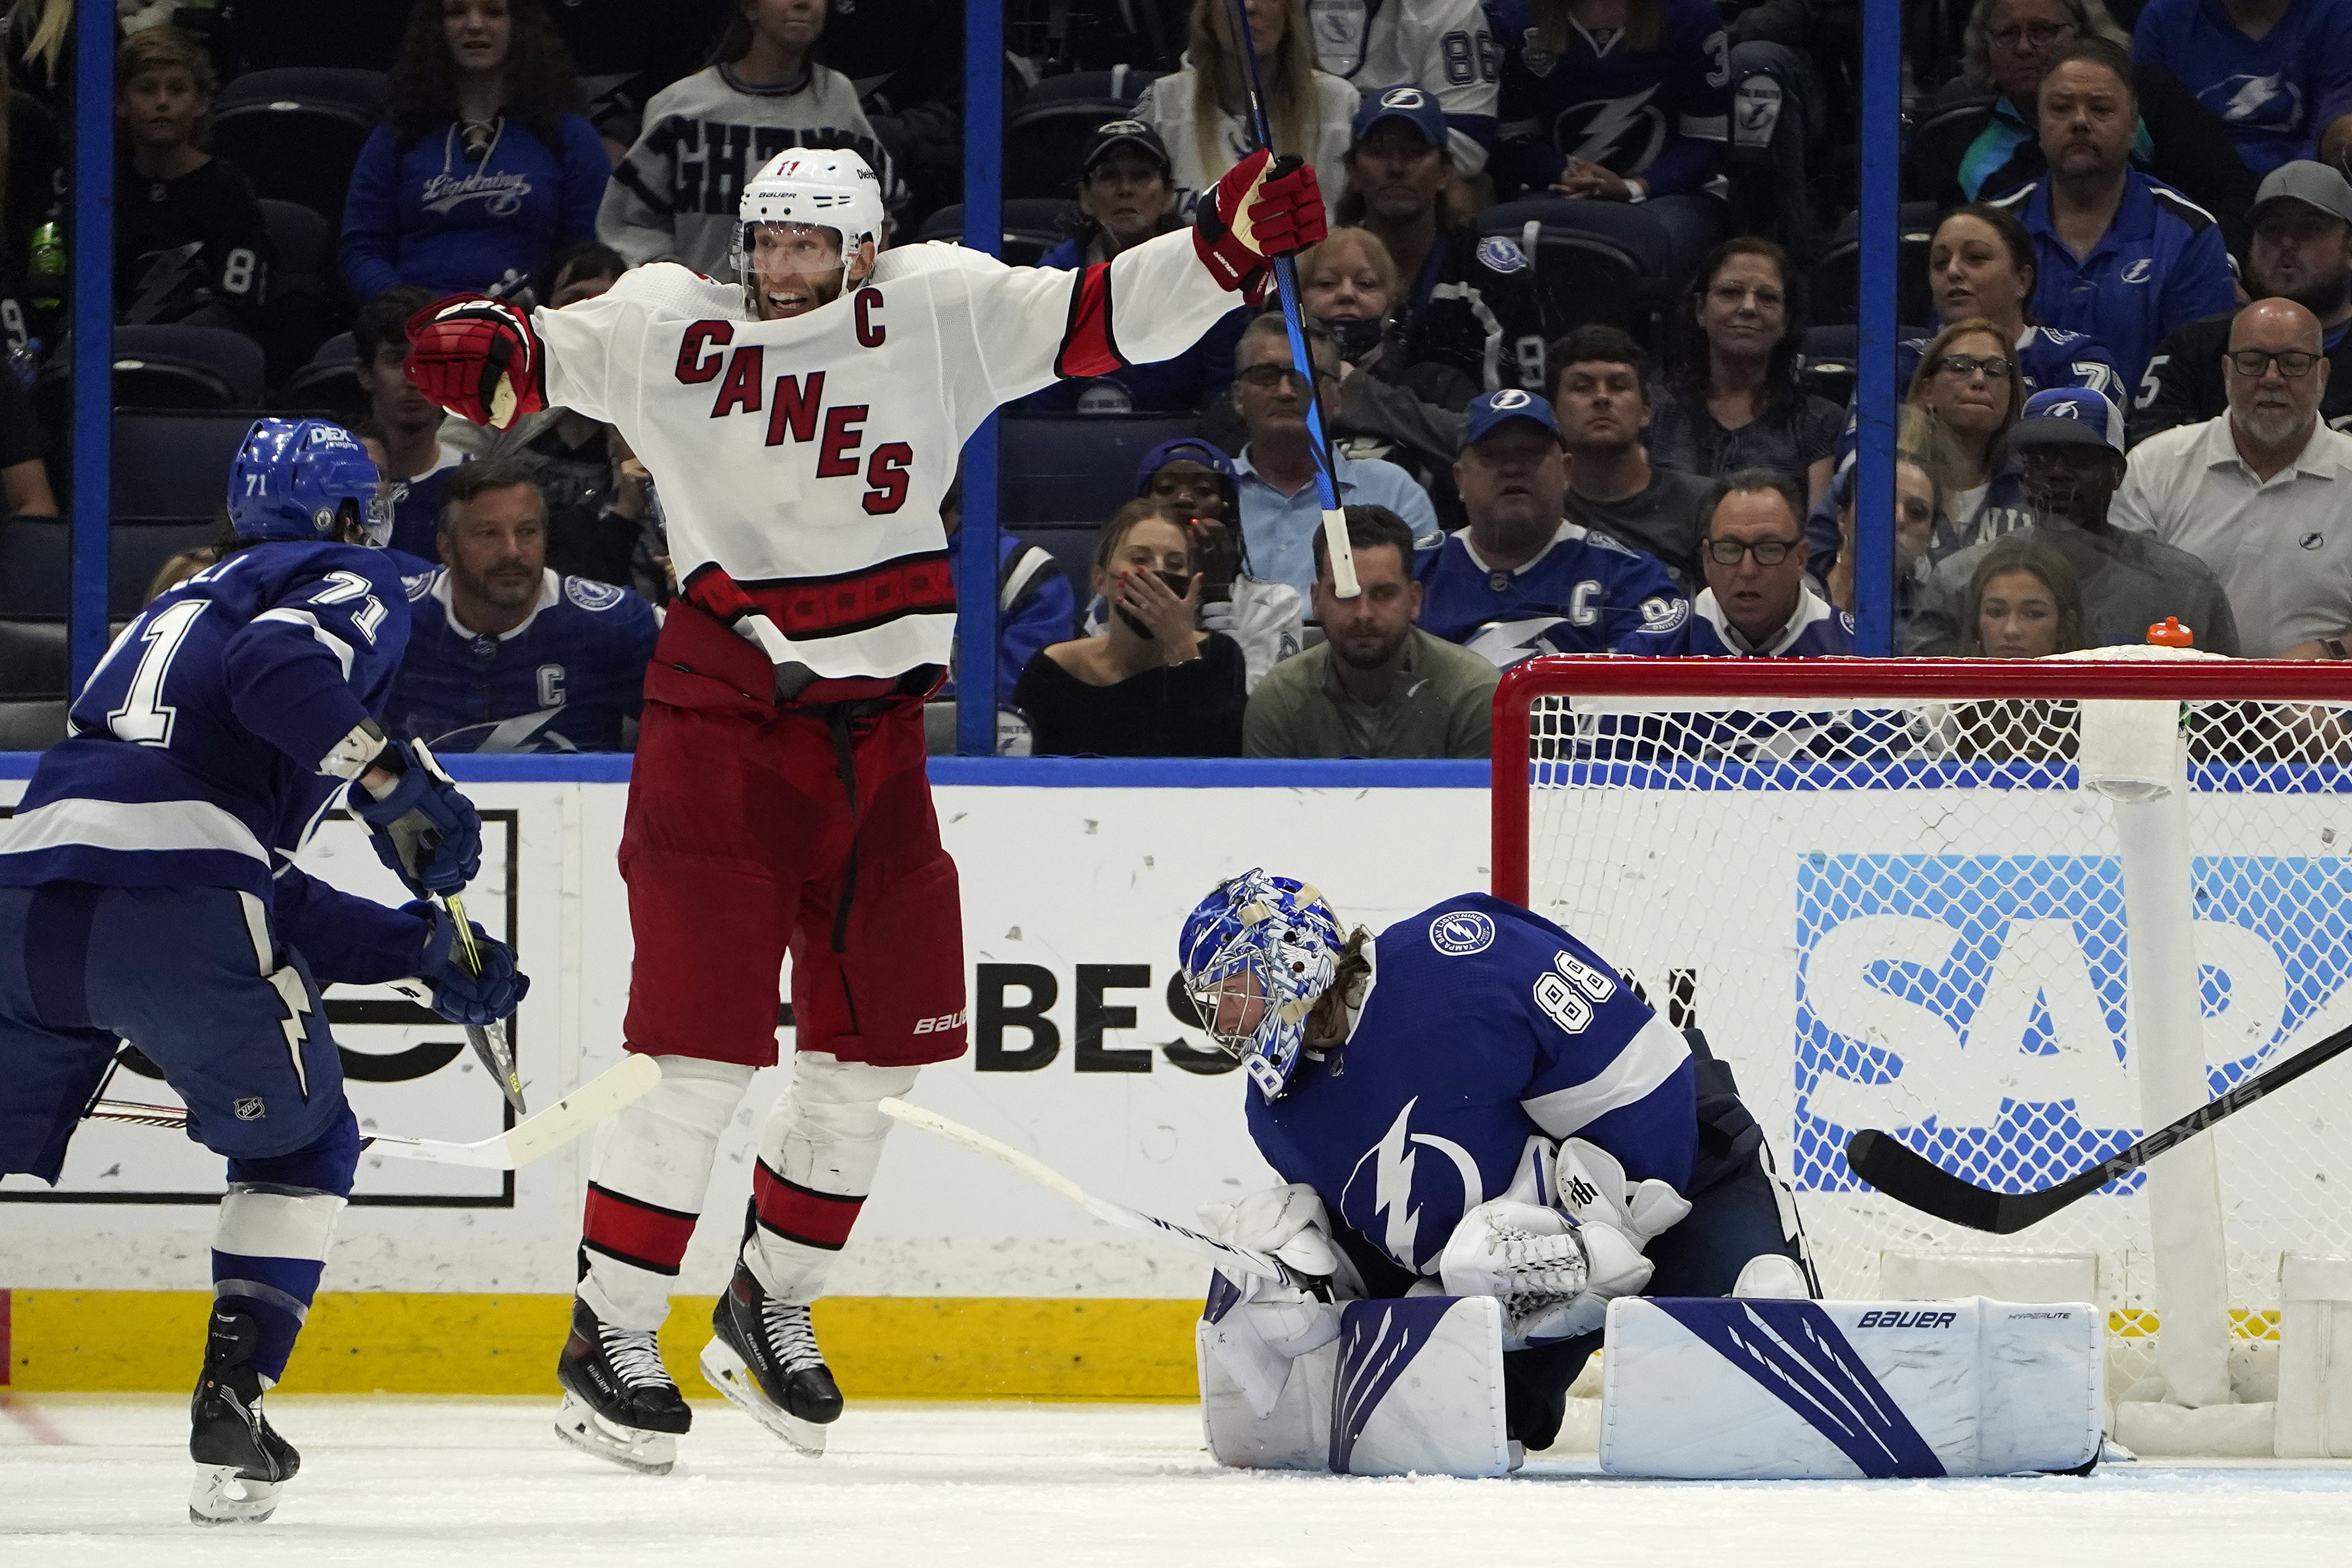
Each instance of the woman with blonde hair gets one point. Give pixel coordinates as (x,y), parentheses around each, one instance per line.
(1964,397)
(1202,111)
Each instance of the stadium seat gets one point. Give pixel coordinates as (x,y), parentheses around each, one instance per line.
(1588,275)
(1941,136)
(1837,282)
(1057,467)
(173,465)
(35,561)
(1046,134)
(326,386)
(137,548)
(305,285)
(36,571)
(32,726)
(296,132)
(1033,226)
(1825,363)
(1072,546)
(33,662)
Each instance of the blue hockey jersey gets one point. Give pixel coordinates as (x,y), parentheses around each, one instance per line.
(2275,95)
(1664,115)
(1817,630)
(1484,1026)
(2048,357)
(193,753)
(562,681)
(417,507)
(1582,594)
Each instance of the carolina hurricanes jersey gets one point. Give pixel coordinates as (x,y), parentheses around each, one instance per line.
(801,462)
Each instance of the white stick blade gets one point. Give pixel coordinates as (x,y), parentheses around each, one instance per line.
(1343,559)
(617,1087)
(956,1132)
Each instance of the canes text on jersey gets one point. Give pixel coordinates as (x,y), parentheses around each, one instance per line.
(795,404)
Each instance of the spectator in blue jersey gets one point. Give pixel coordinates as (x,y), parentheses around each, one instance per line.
(1616,101)
(2009,45)
(1127,195)
(2119,258)
(2278,73)
(1035,605)
(505,655)
(1733,402)
(401,431)
(1274,471)
(1156,685)
(1756,602)
(1459,300)
(1522,579)
(483,168)
(1600,394)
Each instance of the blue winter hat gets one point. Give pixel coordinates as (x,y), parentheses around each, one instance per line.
(1491,412)
(1185,449)
(2068,417)
(1413,105)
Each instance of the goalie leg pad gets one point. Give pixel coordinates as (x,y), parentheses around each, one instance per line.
(653,1169)
(1419,1389)
(818,1153)
(1718,1390)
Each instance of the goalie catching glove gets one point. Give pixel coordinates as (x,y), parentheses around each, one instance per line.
(1262,209)
(423,829)
(478,358)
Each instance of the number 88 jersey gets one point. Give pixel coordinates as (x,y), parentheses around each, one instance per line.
(194,752)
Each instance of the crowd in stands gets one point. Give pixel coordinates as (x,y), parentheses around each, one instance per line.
(1578,330)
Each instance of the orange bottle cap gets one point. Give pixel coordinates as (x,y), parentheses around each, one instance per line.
(2170,633)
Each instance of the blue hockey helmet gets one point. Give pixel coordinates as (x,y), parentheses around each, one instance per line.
(1257,954)
(292,477)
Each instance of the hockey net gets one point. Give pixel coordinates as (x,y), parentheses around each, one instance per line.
(1885,892)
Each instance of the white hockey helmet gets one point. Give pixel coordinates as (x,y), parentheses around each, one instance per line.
(825,187)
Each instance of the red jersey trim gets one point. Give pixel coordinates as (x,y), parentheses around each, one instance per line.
(836,606)
(1088,344)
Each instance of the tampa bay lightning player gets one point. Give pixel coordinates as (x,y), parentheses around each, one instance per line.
(1474,1100)
(148,893)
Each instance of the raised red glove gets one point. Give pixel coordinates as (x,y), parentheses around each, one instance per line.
(1263,208)
(477,358)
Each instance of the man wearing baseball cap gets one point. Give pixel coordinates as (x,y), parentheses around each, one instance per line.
(2302,250)
(1521,579)
(1464,301)
(2070,441)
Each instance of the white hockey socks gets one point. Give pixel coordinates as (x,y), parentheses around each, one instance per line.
(653,1168)
(818,1153)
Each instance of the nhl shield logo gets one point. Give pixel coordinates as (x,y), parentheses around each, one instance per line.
(1457,934)
(250,1108)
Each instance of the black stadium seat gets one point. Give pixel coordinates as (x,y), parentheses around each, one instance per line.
(1046,133)
(1075,468)
(305,285)
(1033,226)
(1836,283)
(174,465)
(296,132)
(1588,276)
(33,662)
(31,726)
(35,570)
(161,367)
(326,386)
(35,561)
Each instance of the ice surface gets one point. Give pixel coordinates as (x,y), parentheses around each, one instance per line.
(95,1479)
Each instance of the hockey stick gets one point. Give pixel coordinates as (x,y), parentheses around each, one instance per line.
(1285,284)
(491,1047)
(609,1092)
(1911,1179)
(1224,1254)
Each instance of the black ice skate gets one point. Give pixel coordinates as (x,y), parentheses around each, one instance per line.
(241,1463)
(763,1357)
(619,1404)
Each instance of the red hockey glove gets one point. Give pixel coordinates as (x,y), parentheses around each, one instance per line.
(1260,210)
(478,359)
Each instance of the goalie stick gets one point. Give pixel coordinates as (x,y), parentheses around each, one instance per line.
(609,1092)
(1242,1260)
(1912,1179)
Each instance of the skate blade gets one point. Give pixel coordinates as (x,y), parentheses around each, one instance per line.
(631,1448)
(221,1496)
(726,1371)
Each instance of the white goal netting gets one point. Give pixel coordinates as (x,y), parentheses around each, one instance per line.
(1910,915)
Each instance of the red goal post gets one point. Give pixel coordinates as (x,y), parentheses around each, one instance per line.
(2008,911)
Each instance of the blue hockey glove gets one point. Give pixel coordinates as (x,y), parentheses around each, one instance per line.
(424,830)
(459,994)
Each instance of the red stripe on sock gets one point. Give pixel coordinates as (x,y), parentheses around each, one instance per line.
(797,1214)
(617,1222)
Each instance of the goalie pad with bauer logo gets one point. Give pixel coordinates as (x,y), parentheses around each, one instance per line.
(1409,1387)
(1706,1389)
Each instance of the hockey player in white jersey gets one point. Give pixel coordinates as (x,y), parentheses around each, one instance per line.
(804,425)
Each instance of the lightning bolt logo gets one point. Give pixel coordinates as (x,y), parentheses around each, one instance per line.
(1612,120)
(1392,1183)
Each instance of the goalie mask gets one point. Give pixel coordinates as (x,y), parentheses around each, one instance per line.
(292,479)
(820,187)
(1257,954)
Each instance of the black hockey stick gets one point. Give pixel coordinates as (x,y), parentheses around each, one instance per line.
(1915,1181)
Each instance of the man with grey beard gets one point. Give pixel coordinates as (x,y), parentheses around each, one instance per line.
(2263,493)
(2302,251)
